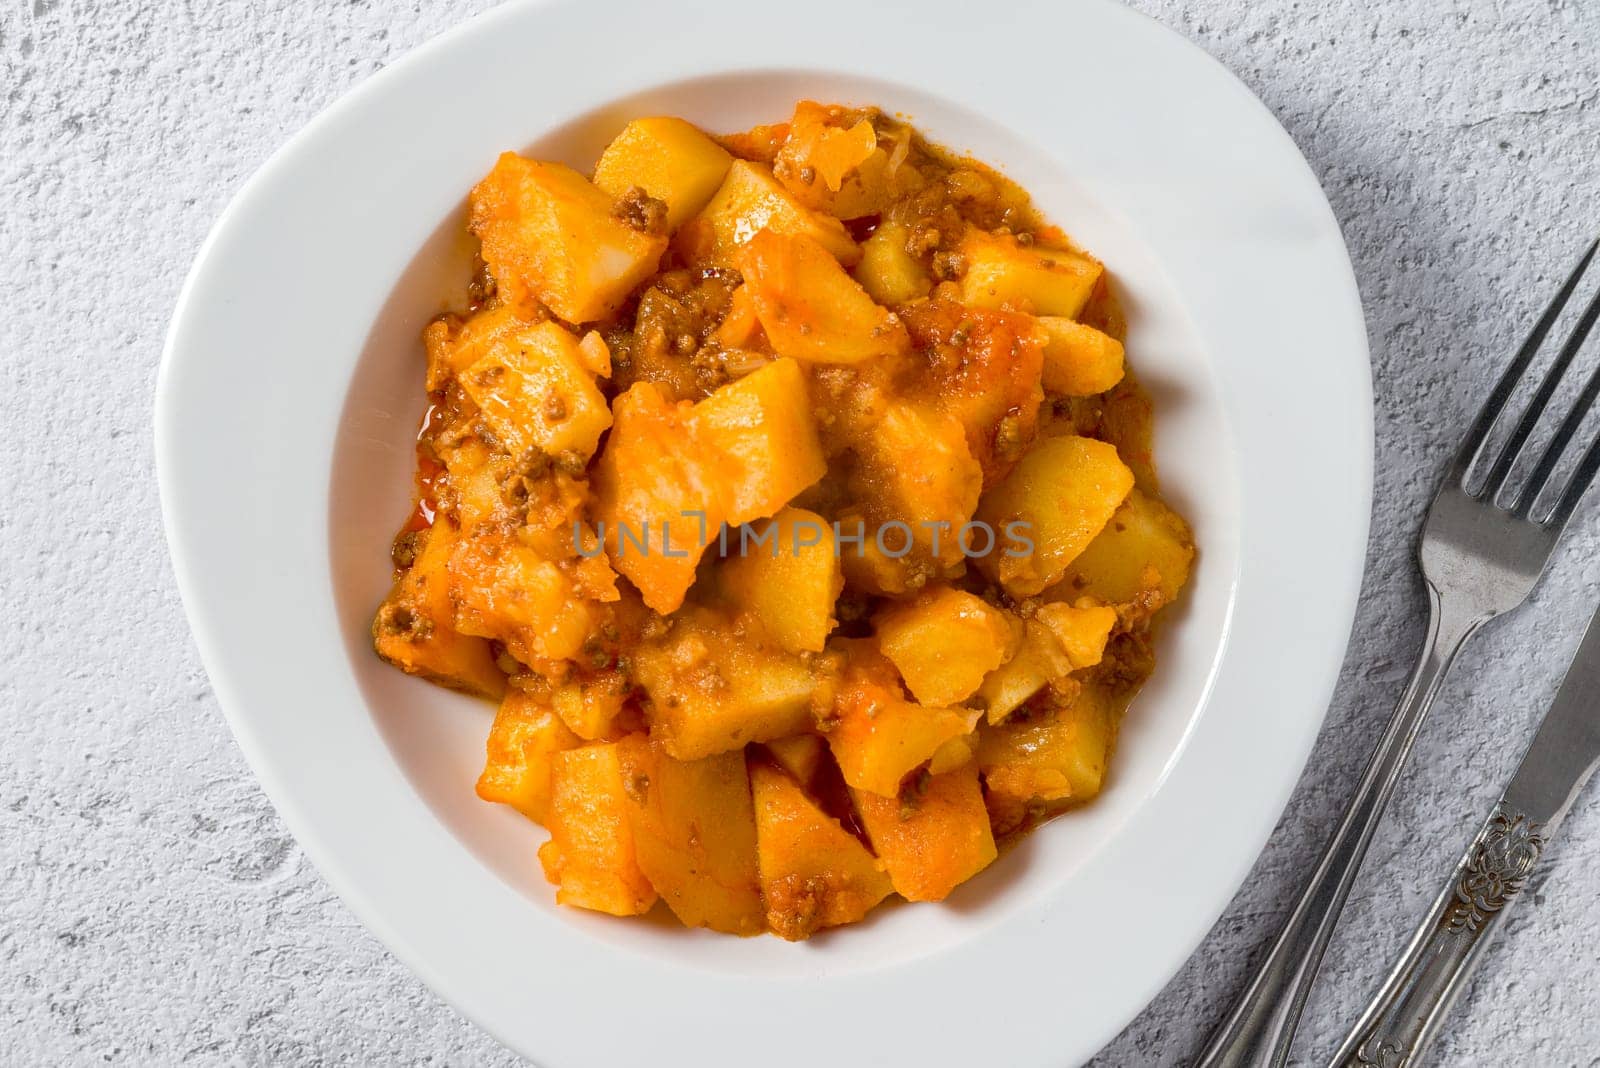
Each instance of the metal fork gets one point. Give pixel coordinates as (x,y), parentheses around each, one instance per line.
(1482,551)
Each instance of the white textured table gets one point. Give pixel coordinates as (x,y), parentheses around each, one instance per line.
(152,908)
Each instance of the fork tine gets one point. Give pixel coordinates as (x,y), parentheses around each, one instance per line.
(1494,407)
(1569,426)
(1495,480)
(1577,485)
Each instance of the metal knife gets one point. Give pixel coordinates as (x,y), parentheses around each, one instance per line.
(1410,1009)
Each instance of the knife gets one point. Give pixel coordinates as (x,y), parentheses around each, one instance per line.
(1410,1009)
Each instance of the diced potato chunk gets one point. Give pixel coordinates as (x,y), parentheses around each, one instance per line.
(648,476)
(944,642)
(1081,631)
(453,346)
(1039,660)
(1000,273)
(672,474)
(713,688)
(758,433)
(590,704)
(787,577)
(508,590)
(1063,491)
(591,857)
(548,233)
(751,200)
(915,467)
(1056,755)
(879,736)
(526,736)
(933,837)
(694,835)
(920,467)
(415,626)
(800,755)
(1142,557)
(814,873)
(1079,360)
(670,160)
(984,366)
(474,471)
(536,392)
(953,754)
(810,308)
(889,273)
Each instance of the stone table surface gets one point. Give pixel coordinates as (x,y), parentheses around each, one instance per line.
(153,909)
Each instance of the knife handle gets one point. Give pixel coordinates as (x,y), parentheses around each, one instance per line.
(1406,1016)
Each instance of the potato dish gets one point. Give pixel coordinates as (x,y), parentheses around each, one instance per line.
(787,492)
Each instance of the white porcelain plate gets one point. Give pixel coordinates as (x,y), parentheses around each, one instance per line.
(290,393)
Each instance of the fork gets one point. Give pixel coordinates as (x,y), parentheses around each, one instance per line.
(1482,551)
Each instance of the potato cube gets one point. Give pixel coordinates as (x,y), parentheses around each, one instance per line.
(590,856)
(1081,631)
(1142,557)
(984,367)
(415,626)
(879,736)
(1039,660)
(512,592)
(712,688)
(453,345)
(810,308)
(694,834)
(1079,360)
(670,160)
(1060,495)
(526,736)
(786,576)
(549,234)
(914,464)
(1058,755)
(933,837)
(475,471)
(955,753)
(814,873)
(758,437)
(590,704)
(1000,273)
(751,200)
(800,755)
(944,641)
(889,273)
(648,476)
(671,475)
(536,392)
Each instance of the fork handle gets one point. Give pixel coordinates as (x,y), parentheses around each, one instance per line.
(1259,1029)
(1404,1019)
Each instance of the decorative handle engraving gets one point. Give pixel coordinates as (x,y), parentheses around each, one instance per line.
(1407,1013)
(1497,868)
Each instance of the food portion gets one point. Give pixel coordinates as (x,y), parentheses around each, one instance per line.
(788,493)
